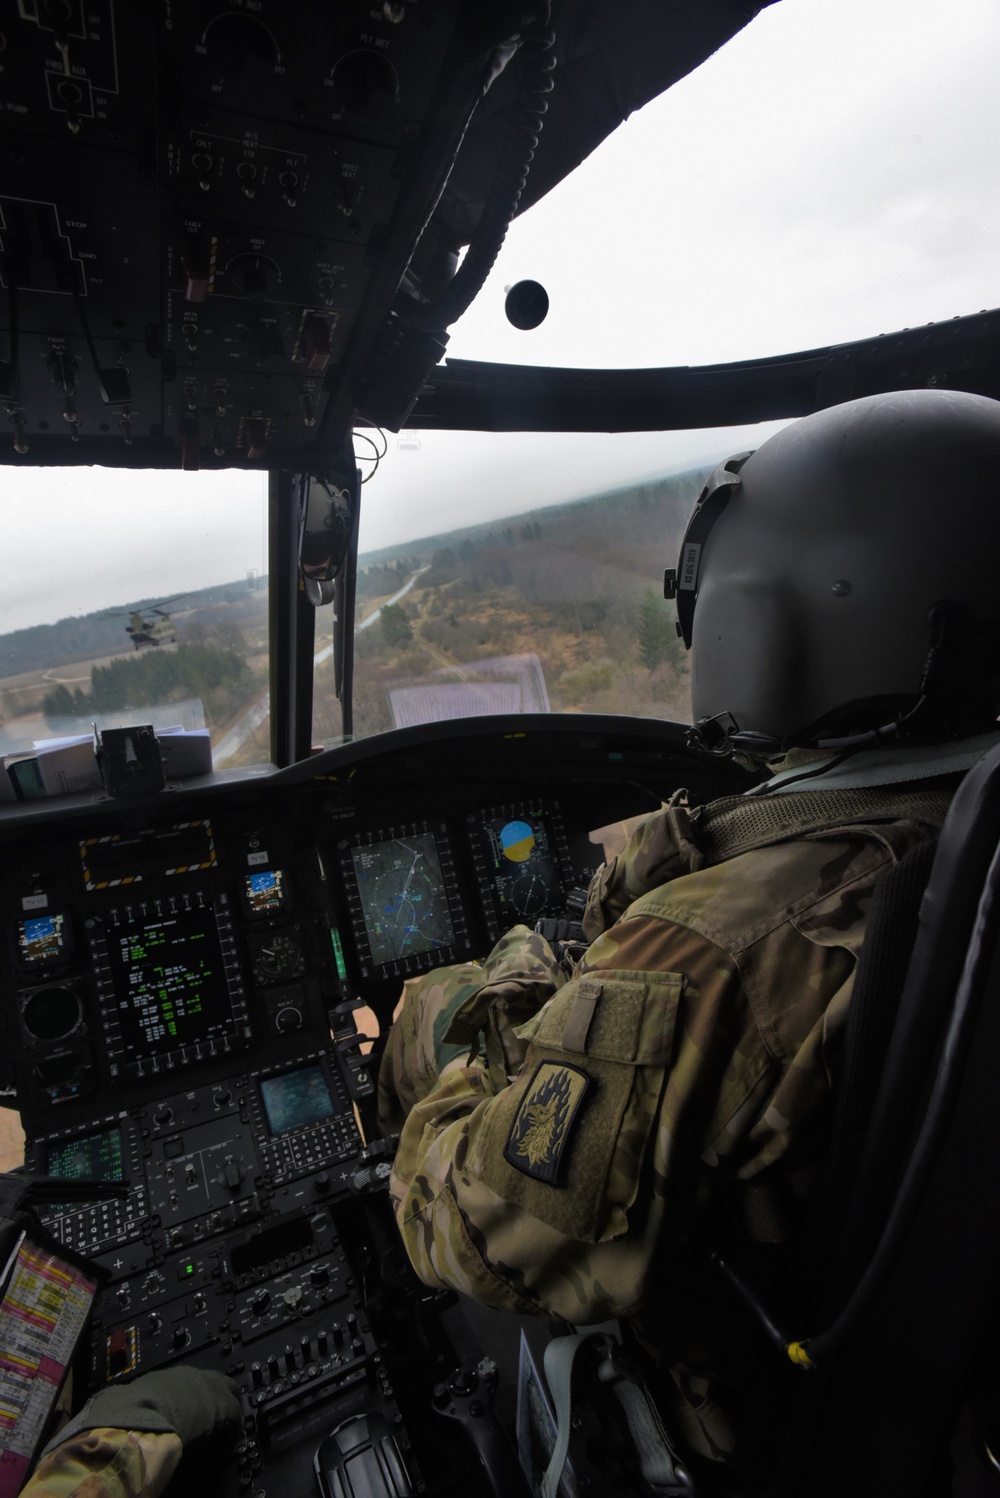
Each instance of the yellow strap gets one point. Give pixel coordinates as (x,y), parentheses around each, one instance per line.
(797,1352)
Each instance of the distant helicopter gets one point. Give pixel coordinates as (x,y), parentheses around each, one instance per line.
(150,626)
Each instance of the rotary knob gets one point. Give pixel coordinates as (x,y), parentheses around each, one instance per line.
(231,1175)
(253,276)
(260,1301)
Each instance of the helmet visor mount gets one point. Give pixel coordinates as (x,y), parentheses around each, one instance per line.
(680,583)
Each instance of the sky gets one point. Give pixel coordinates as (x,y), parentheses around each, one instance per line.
(830,174)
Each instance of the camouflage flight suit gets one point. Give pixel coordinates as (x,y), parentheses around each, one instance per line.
(689,1051)
(127,1440)
(107,1463)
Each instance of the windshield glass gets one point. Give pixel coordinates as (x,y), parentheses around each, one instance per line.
(133,598)
(829,174)
(762,205)
(556,605)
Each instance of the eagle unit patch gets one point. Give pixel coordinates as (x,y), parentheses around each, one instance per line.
(539,1137)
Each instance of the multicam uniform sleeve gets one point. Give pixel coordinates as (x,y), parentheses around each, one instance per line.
(107,1463)
(128,1438)
(664,1064)
(448,1015)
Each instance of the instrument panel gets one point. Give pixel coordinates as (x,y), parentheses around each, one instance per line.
(137,956)
(179,976)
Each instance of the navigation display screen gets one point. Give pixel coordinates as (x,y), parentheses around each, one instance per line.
(403,899)
(95,1157)
(169,981)
(41,939)
(295,1098)
(521,866)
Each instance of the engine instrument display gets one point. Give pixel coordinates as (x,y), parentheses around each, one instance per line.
(169,982)
(404,902)
(296,1098)
(94,1157)
(521,861)
(42,939)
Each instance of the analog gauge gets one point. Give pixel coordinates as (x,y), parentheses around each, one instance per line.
(277,959)
(51,1013)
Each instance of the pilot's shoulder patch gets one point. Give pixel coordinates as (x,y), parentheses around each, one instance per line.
(539,1138)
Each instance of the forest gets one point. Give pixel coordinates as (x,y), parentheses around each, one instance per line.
(576,588)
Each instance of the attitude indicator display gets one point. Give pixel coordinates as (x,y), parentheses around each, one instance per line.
(43,940)
(522,862)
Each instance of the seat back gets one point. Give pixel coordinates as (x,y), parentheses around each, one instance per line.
(911,1286)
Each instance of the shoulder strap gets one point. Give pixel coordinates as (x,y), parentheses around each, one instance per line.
(738,824)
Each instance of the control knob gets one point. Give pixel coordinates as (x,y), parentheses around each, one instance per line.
(163,1115)
(319,1274)
(231,1175)
(253,276)
(260,1301)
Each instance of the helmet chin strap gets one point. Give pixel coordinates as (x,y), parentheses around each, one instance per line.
(722,735)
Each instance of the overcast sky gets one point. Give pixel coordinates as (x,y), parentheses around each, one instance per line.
(832,173)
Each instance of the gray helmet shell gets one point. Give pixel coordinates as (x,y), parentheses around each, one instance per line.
(816,580)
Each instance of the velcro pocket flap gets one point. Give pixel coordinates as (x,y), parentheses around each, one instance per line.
(618,1016)
(567,1139)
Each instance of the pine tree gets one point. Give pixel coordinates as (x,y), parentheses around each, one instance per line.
(653,631)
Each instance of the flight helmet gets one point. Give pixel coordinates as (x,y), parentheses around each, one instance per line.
(841,584)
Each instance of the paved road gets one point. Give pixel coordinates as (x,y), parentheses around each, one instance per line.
(325,654)
(258,712)
(242,729)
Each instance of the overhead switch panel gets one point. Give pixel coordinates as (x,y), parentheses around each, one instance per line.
(205,213)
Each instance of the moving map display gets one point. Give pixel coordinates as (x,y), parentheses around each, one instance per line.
(404,903)
(518,864)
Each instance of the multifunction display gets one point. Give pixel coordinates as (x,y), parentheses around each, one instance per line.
(296,1098)
(264,893)
(522,863)
(169,977)
(403,898)
(42,939)
(169,982)
(94,1157)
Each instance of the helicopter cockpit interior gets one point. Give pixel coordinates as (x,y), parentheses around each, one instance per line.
(236,240)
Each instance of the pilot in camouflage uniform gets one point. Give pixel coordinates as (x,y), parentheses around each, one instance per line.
(566,1129)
